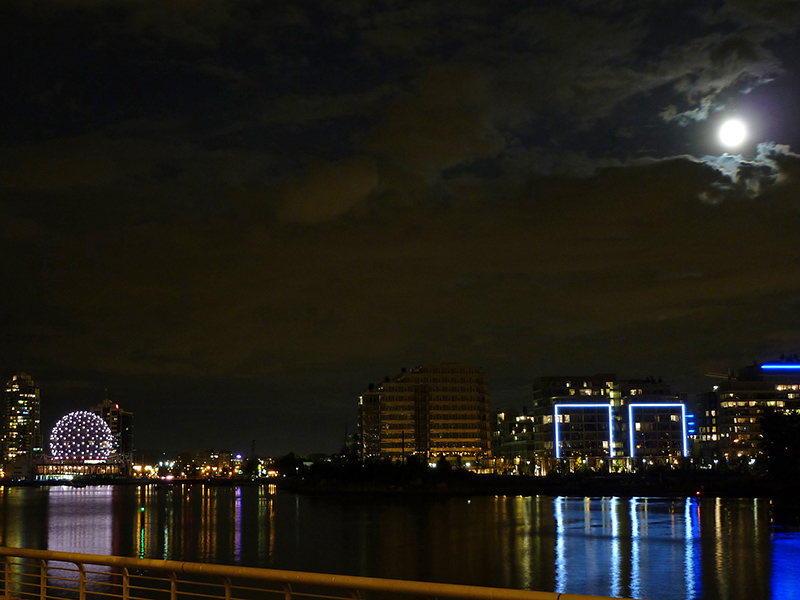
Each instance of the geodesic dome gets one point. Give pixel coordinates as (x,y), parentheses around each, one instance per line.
(81,435)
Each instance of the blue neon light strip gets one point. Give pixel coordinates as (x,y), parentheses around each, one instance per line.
(780,367)
(610,425)
(631,424)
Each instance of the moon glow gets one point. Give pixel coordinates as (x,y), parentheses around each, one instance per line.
(732,133)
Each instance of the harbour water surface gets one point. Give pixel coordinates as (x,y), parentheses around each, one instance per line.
(661,549)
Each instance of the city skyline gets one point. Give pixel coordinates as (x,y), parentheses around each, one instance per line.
(232,442)
(235,215)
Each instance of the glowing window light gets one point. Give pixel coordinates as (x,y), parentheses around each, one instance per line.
(81,435)
(610,425)
(685,451)
(780,367)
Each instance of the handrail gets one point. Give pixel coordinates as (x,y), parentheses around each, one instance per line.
(352,584)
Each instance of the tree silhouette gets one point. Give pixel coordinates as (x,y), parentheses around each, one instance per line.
(781,433)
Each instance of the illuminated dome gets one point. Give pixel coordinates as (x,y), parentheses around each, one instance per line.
(81,435)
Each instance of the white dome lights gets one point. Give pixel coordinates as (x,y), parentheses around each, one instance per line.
(81,435)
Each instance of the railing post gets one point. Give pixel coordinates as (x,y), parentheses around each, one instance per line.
(7,576)
(173,586)
(287,591)
(42,580)
(81,581)
(228,591)
(126,583)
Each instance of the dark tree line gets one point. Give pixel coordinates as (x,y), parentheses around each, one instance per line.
(781,433)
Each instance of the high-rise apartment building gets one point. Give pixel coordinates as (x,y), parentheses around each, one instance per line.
(742,400)
(121,424)
(429,411)
(21,437)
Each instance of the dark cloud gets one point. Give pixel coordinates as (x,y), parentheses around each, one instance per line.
(266,205)
(329,190)
(750,178)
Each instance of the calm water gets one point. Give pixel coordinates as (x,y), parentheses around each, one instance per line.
(643,548)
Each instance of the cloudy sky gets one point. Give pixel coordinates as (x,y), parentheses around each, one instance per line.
(236,214)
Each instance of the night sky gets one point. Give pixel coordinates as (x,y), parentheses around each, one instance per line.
(236,214)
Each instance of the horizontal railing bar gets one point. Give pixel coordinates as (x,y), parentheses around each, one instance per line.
(254,589)
(102,593)
(345,582)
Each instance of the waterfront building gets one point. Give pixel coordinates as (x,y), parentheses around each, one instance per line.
(211,463)
(655,422)
(120,422)
(81,445)
(657,429)
(431,411)
(706,437)
(600,423)
(742,400)
(574,422)
(513,444)
(21,437)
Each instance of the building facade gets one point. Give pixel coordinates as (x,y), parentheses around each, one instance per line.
(594,422)
(657,429)
(655,422)
(431,411)
(513,446)
(573,422)
(21,436)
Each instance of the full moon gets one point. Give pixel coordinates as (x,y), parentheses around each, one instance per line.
(732,133)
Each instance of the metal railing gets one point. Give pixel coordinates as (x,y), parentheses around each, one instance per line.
(46,575)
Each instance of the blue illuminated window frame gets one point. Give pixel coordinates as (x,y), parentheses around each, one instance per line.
(631,423)
(610,425)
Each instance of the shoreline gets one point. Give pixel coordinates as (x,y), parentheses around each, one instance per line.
(694,484)
(685,486)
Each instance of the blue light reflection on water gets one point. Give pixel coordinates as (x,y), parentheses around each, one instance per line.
(638,547)
(692,553)
(785,576)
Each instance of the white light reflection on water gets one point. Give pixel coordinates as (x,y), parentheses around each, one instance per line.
(635,549)
(525,540)
(80,518)
(84,521)
(616,553)
(561,542)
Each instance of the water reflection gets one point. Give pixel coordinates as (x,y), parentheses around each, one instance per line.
(692,549)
